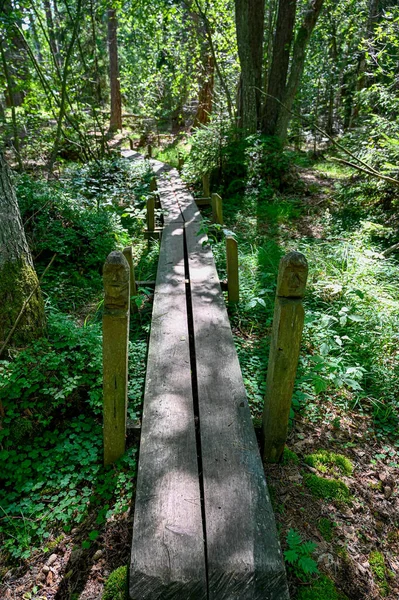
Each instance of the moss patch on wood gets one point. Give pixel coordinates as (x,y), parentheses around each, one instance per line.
(17,281)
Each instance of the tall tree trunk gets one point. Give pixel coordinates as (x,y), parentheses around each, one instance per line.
(279,65)
(250,27)
(116,101)
(297,66)
(205,97)
(51,34)
(18,278)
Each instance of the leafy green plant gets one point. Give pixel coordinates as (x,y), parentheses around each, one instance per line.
(299,556)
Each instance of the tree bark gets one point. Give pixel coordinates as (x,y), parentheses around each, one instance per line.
(250,27)
(297,65)
(279,65)
(17,274)
(116,101)
(205,97)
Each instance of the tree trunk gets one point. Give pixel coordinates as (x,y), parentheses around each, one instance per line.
(51,35)
(116,101)
(17,274)
(297,66)
(250,27)
(205,97)
(279,66)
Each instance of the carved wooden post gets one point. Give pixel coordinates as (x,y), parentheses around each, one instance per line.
(151,213)
(206,185)
(115,354)
(128,254)
(217,209)
(284,353)
(233,286)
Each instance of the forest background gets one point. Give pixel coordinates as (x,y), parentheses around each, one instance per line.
(292,109)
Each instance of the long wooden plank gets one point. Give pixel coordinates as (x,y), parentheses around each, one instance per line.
(243,553)
(168,557)
(169,203)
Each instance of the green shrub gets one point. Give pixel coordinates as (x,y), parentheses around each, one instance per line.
(116,585)
(327,489)
(268,164)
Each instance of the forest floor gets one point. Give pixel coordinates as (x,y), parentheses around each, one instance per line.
(357,536)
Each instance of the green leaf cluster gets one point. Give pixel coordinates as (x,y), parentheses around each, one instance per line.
(299,555)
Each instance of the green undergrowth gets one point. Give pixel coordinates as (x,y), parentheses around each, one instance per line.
(82,217)
(322,589)
(349,350)
(51,450)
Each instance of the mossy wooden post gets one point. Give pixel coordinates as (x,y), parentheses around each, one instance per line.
(284,353)
(233,286)
(206,188)
(116,278)
(217,209)
(151,213)
(128,254)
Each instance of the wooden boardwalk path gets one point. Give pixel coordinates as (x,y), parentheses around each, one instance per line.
(203,524)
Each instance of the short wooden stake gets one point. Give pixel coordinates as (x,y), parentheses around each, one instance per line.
(217,209)
(285,344)
(149,151)
(206,188)
(233,286)
(151,213)
(153,185)
(116,278)
(128,254)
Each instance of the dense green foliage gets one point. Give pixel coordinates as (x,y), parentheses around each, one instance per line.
(51,392)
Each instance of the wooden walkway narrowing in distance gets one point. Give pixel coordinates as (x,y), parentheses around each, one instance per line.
(203,527)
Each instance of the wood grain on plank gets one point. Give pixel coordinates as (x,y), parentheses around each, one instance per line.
(243,554)
(168,557)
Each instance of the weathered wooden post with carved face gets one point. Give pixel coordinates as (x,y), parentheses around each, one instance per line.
(116,277)
(285,343)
